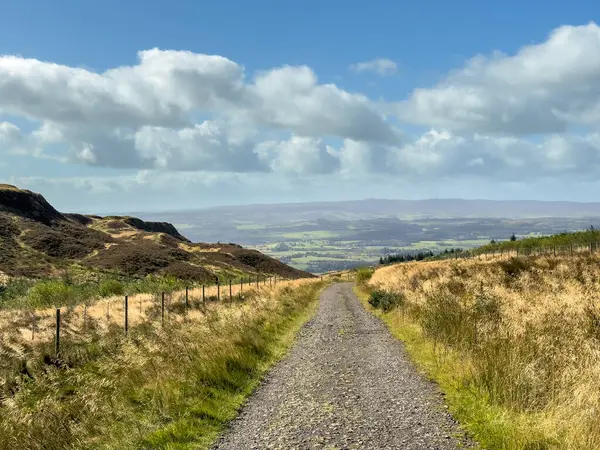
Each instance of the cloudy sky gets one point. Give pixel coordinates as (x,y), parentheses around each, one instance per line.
(147,105)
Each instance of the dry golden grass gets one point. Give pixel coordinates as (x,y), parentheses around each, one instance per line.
(9,187)
(40,324)
(196,249)
(527,332)
(125,234)
(161,387)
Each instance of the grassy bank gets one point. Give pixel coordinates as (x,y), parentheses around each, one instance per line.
(514,345)
(171,387)
(23,293)
(562,240)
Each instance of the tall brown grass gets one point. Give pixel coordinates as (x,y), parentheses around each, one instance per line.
(37,324)
(526,335)
(159,387)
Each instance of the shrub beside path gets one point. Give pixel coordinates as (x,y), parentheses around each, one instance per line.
(346,384)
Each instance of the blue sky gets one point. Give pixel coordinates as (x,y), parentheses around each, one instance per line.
(378,99)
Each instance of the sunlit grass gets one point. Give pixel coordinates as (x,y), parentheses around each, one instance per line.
(171,387)
(514,344)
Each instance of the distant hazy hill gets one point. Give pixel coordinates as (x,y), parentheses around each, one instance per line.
(403,209)
(424,208)
(37,240)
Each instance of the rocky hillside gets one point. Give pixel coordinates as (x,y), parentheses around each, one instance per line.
(37,241)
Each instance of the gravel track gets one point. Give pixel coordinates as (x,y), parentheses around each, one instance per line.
(346,384)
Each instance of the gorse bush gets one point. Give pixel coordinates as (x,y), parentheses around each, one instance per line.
(363,275)
(513,267)
(111,287)
(51,293)
(15,291)
(385,301)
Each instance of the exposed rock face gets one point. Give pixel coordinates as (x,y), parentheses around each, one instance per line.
(27,204)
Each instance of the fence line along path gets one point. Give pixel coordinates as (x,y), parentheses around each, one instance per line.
(547,250)
(57,324)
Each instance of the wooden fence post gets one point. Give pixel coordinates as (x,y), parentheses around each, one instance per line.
(126,315)
(33,325)
(186,298)
(230,296)
(84,317)
(257,286)
(218,291)
(57,340)
(162,309)
(203,299)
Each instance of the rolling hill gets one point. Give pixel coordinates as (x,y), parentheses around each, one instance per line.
(36,240)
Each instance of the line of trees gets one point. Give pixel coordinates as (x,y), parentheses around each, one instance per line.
(416,256)
(405,257)
(585,237)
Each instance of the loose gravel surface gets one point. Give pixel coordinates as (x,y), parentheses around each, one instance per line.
(346,384)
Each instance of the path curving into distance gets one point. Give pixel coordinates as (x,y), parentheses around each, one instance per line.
(346,384)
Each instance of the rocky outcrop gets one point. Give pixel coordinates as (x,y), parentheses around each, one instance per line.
(28,204)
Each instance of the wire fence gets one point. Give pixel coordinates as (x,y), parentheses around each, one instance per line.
(547,250)
(124,312)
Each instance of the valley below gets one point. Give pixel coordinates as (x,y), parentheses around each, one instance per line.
(329,236)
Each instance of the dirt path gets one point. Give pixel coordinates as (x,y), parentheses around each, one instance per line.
(346,384)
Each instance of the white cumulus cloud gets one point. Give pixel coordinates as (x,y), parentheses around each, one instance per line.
(299,155)
(143,116)
(183,112)
(543,88)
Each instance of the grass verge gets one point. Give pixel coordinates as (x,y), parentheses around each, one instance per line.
(493,427)
(159,388)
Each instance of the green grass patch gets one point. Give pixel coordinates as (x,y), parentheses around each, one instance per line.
(22,293)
